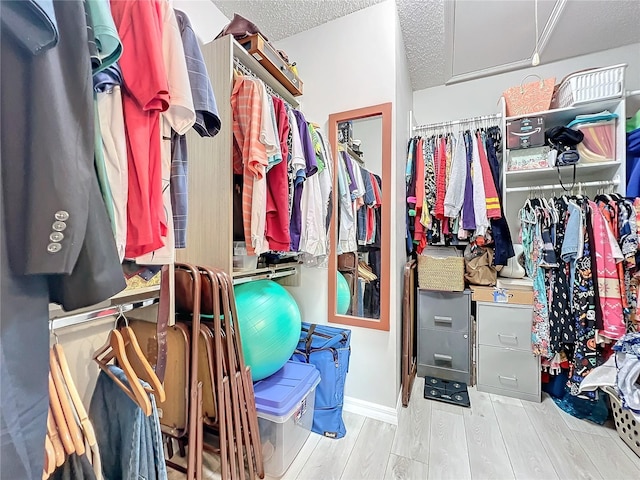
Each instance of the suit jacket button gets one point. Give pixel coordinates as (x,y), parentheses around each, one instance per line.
(62,215)
(54,247)
(56,237)
(59,226)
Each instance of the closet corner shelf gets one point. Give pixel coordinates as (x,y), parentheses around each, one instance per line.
(252,64)
(550,174)
(562,116)
(267,273)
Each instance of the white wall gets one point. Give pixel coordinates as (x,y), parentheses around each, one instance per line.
(403,104)
(480,97)
(345,64)
(207,20)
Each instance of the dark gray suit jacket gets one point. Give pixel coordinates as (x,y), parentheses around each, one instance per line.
(56,238)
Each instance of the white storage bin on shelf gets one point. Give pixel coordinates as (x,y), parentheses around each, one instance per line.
(590,86)
(241,261)
(285,403)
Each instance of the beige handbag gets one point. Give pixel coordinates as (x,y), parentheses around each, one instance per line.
(529,98)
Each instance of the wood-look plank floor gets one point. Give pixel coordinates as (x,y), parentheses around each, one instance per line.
(497,438)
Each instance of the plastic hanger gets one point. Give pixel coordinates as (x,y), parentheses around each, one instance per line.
(115,348)
(74,430)
(87,428)
(58,417)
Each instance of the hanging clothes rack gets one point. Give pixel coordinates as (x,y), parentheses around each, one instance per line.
(465,121)
(96,314)
(247,71)
(603,183)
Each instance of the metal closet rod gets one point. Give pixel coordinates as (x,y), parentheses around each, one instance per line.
(84,317)
(482,118)
(603,183)
(247,71)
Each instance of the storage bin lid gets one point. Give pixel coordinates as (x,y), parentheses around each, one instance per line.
(280,394)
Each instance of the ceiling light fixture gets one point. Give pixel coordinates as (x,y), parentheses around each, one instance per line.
(535,61)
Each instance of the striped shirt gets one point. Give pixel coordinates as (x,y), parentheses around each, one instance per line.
(250,159)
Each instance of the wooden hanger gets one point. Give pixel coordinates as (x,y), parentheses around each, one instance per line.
(49,457)
(52,433)
(74,429)
(115,348)
(58,417)
(87,428)
(138,360)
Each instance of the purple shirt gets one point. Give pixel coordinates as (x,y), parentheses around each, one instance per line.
(468,210)
(295,226)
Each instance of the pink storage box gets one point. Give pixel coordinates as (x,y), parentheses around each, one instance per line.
(599,143)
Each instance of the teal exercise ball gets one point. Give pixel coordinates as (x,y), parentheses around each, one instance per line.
(270,324)
(344,295)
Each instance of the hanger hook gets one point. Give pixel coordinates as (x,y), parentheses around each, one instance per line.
(121,315)
(52,332)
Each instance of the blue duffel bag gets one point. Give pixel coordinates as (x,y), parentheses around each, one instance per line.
(328,348)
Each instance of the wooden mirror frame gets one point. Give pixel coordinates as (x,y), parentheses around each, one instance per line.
(382,323)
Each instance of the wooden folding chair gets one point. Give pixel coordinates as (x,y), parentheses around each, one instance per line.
(409,359)
(247,398)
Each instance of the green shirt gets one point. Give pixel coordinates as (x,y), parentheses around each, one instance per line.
(105,33)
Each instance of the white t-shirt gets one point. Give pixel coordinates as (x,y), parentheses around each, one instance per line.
(114,147)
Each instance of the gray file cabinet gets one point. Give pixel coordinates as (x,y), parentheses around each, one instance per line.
(444,334)
(505,363)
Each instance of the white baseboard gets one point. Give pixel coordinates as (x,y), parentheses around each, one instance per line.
(371,410)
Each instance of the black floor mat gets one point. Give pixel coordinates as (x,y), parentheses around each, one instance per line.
(446,391)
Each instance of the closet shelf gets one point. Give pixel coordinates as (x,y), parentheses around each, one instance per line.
(259,71)
(58,318)
(267,273)
(550,174)
(136,291)
(126,296)
(563,116)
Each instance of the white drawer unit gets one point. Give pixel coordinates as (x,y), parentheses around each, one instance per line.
(505,363)
(444,335)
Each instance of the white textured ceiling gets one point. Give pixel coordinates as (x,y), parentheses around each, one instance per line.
(278,19)
(445,39)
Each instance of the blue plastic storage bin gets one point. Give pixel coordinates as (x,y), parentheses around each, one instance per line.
(285,403)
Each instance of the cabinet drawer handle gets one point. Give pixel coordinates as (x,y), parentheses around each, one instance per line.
(443,358)
(439,319)
(512,337)
(509,379)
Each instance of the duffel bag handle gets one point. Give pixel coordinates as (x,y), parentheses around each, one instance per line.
(308,340)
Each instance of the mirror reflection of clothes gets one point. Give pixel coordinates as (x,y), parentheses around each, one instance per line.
(359,227)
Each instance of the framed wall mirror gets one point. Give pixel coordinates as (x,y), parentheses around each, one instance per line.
(360,234)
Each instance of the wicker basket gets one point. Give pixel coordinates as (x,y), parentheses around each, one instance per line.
(627,426)
(590,86)
(441,273)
